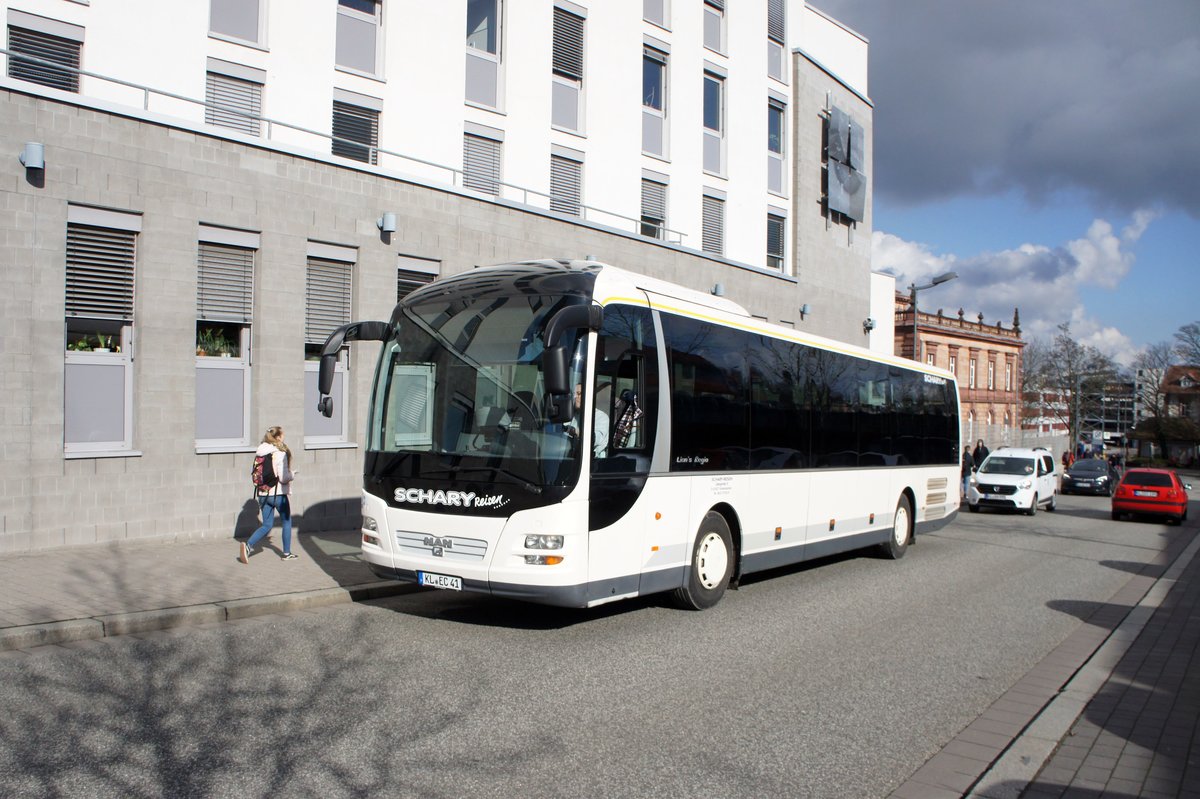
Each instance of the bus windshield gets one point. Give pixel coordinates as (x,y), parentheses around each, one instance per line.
(459,391)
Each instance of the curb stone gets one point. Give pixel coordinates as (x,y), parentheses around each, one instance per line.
(61,632)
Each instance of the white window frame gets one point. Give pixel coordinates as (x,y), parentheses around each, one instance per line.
(562,161)
(777,159)
(664,21)
(242,240)
(260,38)
(480,59)
(479,141)
(776,40)
(375,19)
(717,134)
(773,216)
(971,378)
(231,91)
(123,223)
(660,228)
(568,85)
(348,258)
(351,105)
(954,365)
(66,35)
(1008,376)
(713,202)
(991,375)
(714,15)
(658,53)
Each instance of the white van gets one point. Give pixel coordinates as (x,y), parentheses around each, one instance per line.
(1016,478)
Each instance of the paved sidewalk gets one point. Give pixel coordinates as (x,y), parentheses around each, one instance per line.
(76,593)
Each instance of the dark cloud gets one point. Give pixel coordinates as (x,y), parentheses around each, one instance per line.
(1094,96)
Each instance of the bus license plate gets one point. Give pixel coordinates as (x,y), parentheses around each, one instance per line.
(440,581)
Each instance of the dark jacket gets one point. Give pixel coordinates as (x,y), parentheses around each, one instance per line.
(968,463)
(978,455)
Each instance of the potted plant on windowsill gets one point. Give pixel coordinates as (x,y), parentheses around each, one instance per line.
(213,343)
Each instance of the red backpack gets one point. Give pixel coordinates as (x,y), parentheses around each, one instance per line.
(262,474)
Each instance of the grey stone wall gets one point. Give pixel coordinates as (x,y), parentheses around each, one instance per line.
(178,178)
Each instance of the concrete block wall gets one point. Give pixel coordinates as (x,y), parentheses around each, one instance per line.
(178,178)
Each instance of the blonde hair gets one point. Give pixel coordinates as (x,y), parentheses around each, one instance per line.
(274,437)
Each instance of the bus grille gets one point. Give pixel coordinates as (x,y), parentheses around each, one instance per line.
(449,547)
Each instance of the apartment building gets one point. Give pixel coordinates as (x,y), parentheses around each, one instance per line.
(191,209)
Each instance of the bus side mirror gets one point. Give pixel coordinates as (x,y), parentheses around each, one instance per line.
(355,331)
(554,357)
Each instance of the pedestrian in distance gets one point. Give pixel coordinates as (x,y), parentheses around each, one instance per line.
(968,466)
(272,475)
(980,452)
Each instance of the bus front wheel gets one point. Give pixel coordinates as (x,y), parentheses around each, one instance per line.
(897,543)
(711,566)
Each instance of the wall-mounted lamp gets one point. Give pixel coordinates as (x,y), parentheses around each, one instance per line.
(804,311)
(34,155)
(868,325)
(387,223)
(718,290)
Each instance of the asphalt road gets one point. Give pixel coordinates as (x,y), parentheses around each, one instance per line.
(835,679)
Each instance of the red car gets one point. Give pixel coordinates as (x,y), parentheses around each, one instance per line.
(1151,491)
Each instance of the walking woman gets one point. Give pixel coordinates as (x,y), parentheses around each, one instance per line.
(276,498)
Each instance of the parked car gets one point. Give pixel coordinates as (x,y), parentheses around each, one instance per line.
(1090,476)
(1157,492)
(1017,478)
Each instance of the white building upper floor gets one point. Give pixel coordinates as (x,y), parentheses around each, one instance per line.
(671,118)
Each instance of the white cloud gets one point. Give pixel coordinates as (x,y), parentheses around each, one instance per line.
(1043,282)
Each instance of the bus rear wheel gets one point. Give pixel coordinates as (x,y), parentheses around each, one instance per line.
(897,543)
(711,566)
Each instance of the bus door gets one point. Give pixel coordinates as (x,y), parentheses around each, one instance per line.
(624,417)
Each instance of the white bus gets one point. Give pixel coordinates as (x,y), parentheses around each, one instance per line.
(571,433)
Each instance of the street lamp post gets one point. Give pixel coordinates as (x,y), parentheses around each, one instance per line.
(912,295)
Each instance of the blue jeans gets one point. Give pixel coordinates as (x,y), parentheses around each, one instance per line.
(269,504)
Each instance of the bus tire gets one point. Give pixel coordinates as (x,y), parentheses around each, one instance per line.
(902,527)
(711,567)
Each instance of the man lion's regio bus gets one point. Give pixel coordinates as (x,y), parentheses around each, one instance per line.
(570,433)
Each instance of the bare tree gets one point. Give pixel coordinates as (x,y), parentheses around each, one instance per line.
(1035,361)
(1187,344)
(1150,368)
(1076,374)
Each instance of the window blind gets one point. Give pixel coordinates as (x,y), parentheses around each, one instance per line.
(713,225)
(352,123)
(775,241)
(100,271)
(225,283)
(232,103)
(326,298)
(407,282)
(775,24)
(45,46)
(568,44)
(566,178)
(481,164)
(654,207)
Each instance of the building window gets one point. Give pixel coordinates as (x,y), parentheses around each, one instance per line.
(776,113)
(413,273)
(224,315)
(327,306)
(713,225)
(359,23)
(236,19)
(775,239)
(655,11)
(566,183)
(714,122)
(481,164)
(654,208)
(98,372)
(714,25)
(991,375)
(971,375)
(954,365)
(654,101)
(1008,377)
(57,46)
(567,65)
(929,356)
(233,96)
(776,38)
(483,52)
(355,132)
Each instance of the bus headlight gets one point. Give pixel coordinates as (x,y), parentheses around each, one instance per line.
(543,542)
(369,524)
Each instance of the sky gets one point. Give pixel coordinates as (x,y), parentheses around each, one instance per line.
(1048,151)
